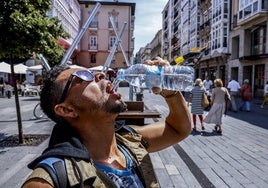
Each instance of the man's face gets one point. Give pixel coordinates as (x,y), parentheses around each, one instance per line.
(93,97)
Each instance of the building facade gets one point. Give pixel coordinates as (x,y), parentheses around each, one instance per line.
(100,37)
(69,13)
(234,33)
(156,45)
(214,31)
(248,43)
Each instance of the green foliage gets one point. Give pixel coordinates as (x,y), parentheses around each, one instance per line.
(25,29)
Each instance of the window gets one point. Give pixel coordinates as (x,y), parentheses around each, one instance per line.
(112,40)
(255,6)
(264,4)
(115,20)
(247,11)
(225,35)
(258,40)
(248,8)
(93,43)
(92,58)
(94,23)
(235,47)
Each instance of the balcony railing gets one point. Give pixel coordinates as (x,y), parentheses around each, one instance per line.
(94,24)
(91,47)
(110,25)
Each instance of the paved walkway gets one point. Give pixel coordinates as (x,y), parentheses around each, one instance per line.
(237,158)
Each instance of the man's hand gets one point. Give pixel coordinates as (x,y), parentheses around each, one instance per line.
(157,61)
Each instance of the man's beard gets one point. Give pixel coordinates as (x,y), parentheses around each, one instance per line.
(115,107)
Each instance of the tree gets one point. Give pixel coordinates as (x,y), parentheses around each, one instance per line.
(25,30)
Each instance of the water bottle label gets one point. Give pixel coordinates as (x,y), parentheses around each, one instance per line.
(121,74)
(153,76)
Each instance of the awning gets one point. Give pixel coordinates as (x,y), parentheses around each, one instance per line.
(18,69)
(4,67)
(35,68)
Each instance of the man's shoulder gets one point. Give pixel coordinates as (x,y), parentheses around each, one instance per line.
(39,173)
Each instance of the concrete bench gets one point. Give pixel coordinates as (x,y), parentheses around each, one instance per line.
(136,113)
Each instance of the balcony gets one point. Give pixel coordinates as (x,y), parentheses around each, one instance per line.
(176,15)
(174,40)
(110,25)
(93,25)
(92,47)
(252,12)
(254,57)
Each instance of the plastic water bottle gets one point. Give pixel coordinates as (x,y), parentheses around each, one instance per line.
(166,77)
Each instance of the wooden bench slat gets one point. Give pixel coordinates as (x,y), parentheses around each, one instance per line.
(136,113)
(139,114)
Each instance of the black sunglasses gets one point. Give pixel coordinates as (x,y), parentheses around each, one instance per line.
(84,75)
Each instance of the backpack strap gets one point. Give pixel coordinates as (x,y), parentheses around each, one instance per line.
(56,169)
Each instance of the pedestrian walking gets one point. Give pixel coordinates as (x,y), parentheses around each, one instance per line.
(84,150)
(2,87)
(218,101)
(195,98)
(208,84)
(246,96)
(265,96)
(234,87)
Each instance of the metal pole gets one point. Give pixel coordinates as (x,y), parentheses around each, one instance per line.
(130,96)
(80,34)
(44,62)
(119,40)
(130,86)
(111,54)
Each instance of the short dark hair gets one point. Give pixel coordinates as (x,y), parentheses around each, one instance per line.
(51,92)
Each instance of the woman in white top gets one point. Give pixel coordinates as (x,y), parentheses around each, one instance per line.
(218,102)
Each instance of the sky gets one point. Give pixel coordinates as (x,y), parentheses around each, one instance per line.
(148,20)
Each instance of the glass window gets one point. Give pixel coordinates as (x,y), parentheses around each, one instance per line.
(258,40)
(240,14)
(94,23)
(247,11)
(112,41)
(93,58)
(115,20)
(264,4)
(255,6)
(93,41)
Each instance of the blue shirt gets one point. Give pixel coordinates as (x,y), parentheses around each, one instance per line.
(122,178)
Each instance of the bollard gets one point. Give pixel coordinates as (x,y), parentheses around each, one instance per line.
(139,96)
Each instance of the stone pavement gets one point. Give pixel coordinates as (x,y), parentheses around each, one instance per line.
(237,158)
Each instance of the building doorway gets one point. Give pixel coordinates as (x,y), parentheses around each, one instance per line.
(247,73)
(259,80)
(234,73)
(222,74)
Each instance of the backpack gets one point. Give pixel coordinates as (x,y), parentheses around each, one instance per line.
(56,167)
